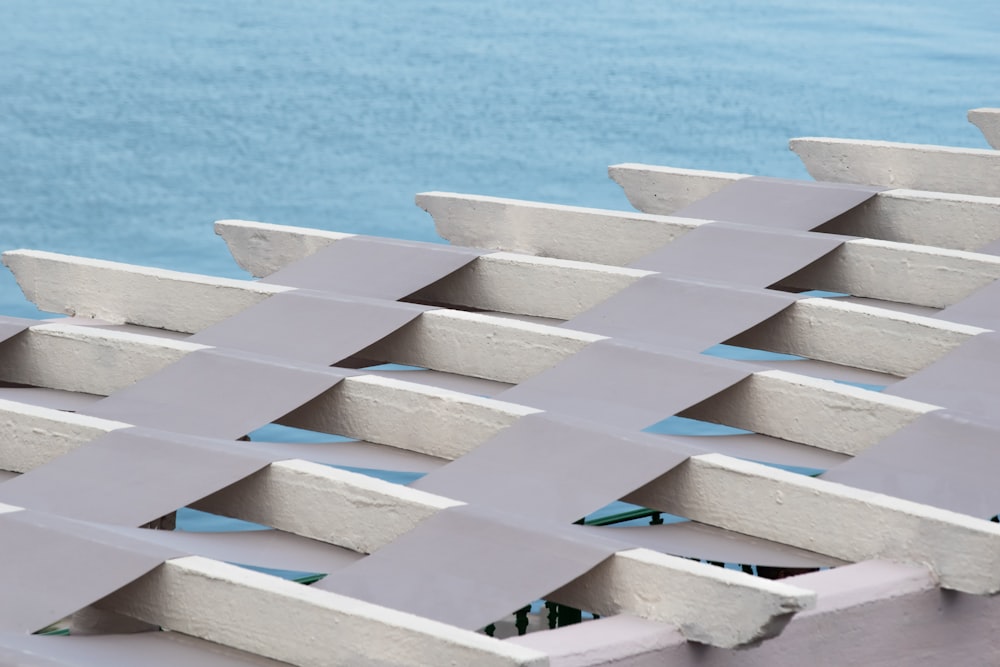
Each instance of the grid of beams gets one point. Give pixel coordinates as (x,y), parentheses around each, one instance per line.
(548,363)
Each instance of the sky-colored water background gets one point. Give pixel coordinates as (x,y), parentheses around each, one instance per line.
(127,128)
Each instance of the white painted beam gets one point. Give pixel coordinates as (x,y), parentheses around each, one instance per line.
(297,624)
(663,190)
(972,171)
(945,220)
(260,251)
(308,499)
(875,613)
(857,335)
(829,518)
(528,285)
(479,345)
(821,329)
(431,420)
(637,583)
(33,436)
(717,490)
(181,297)
(416,417)
(62,359)
(364,514)
(713,489)
(500,281)
(448,424)
(454,341)
(869,268)
(939,219)
(821,413)
(194,595)
(86,359)
(547,287)
(919,275)
(550,230)
(988,122)
(62,356)
(340,507)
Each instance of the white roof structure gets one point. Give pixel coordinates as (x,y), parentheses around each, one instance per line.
(551,344)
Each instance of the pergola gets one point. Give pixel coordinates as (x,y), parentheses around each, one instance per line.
(554,353)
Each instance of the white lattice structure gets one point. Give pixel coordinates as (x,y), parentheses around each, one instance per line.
(509,337)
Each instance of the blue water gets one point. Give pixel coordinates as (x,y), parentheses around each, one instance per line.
(127,128)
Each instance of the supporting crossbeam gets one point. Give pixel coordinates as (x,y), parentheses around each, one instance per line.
(818,328)
(268,616)
(876,269)
(821,329)
(944,220)
(872,613)
(808,513)
(510,283)
(971,171)
(63,356)
(721,481)
(693,513)
(364,514)
(840,419)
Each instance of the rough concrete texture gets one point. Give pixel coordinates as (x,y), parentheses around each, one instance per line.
(126,293)
(988,121)
(857,335)
(296,624)
(543,229)
(829,518)
(968,171)
(940,219)
(663,190)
